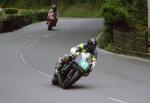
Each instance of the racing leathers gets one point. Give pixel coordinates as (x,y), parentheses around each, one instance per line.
(55,16)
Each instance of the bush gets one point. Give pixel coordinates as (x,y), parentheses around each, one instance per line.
(41,15)
(25,12)
(141,11)
(24,17)
(11,11)
(116,15)
(15,21)
(2,14)
(29,16)
(79,10)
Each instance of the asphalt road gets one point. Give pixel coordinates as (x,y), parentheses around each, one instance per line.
(28,57)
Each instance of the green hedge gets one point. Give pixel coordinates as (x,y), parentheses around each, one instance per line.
(41,15)
(24,17)
(11,11)
(29,16)
(33,15)
(116,15)
(79,10)
(2,13)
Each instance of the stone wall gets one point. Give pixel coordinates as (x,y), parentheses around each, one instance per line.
(130,43)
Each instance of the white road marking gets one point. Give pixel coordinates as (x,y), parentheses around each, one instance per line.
(26,48)
(22,58)
(47,36)
(45,74)
(117,100)
(131,57)
(25,62)
(31,45)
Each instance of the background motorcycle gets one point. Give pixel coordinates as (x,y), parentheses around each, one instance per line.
(70,73)
(51,21)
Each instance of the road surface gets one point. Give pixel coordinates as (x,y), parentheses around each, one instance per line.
(28,57)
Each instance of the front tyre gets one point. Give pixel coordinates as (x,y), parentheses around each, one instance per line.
(54,80)
(50,27)
(70,80)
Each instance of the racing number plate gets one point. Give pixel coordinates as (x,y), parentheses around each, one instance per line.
(84,65)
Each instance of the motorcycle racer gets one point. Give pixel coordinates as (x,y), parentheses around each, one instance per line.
(53,10)
(88,47)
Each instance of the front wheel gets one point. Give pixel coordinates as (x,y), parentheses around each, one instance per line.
(71,79)
(49,26)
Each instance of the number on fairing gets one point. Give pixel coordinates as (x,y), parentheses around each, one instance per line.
(84,64)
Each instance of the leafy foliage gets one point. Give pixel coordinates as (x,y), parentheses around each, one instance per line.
(116,15)
(11,11)
(79,10)
(126,14)
(1,12)
(25,3)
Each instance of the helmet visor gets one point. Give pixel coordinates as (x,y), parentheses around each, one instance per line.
(92,46)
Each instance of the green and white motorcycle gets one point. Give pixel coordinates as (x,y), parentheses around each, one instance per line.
(69,74)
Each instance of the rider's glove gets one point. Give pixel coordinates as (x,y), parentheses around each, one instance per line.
(74,52)
(93,64)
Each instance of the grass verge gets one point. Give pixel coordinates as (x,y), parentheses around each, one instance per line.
(109,47)
(79,10)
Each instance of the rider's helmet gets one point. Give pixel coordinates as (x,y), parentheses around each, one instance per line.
(91,44)
(54,8)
